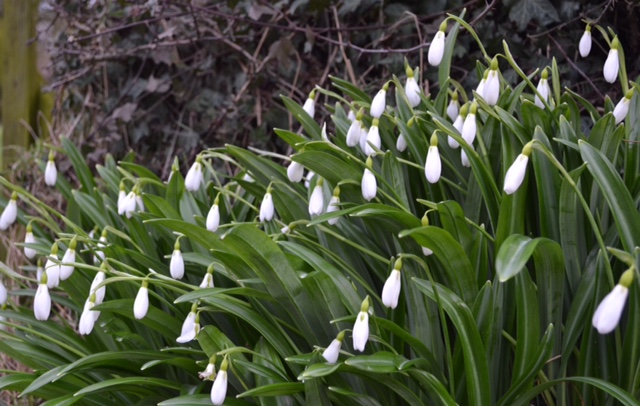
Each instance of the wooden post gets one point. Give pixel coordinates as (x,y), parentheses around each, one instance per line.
(20,78)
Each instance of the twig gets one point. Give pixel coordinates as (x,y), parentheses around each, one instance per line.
(574,66)
(347,62)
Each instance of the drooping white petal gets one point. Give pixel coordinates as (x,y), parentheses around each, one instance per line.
(50,173)
(267,210)
(353,134)
(28,251)
(378,104)
(369,185)
(544,89)
(433,166)
(141,304)
(453,109)
(100,292)
(9,215)
(213,218)
(67,270)
(310,107)
(42,302)
(333,206)
(373,138)
(426,251)
(464,159)
(295,171)
(332,352)
(219,388)
(469,128)
(436,49)
(129,204)
(207,281)
(621,110)
(316,202)
(480,88)
(87,318)
(515,175)
(412,90)
(210,370)
(194,177)
(351,116)
(361,331)
(585,44)
(139,202)
(307,179)
(611,66)
(3,293)
(608,313)
(491,92)
(188,332)
(176,265)
(401,143)
(391,289)
(122,195)
(53,273)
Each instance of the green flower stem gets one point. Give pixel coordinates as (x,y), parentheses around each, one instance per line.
(587,210)
(443,320)
(434,206)
(473,33)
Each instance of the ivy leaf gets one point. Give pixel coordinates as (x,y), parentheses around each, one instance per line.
(523,11)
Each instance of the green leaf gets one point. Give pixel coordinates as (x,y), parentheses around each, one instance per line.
(516,251)
(380,362)
(112,384)
(523,11)
(276,389)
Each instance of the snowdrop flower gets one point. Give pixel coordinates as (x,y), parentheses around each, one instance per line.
(391,289)
(122,195)
(247,177)
(295,171)
(401,143)
(373,138)
(334,202)
(355,130)
(50,171)
(454,107)
(176,265)
(622,108)
(411,88)
(351,116)
(307,179)
(458,124)
(42,301)
(361,326)
(491,92)
(515,175)
(3,293)
(585,42)
(219,388)
(52,269)
(99,254)
(69,256)
(98,291)
(612,64)
(128,204)
(88,317)
(138,199)
(29,239)
(543,88)
(210,371)
(469,126)
(379,102)
(39,270)
(189,332)
(213,217)
(316,201)
(10,212)
(175,167)
(436,49)
(433,165)
(425,222)
(310,104)
(608,313)
(207,281)
(481,85)
(332,352)
(464,159)
(267,210)
(195,175)
(369,184)
(141,304)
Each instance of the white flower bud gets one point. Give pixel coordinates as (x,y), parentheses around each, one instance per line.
(412,90)
(195,177)
(219,388)
(29,239)
(50,173)
(391,289)
(213,218)
(295,171)
(608,313)
(42,302)
(515,175)
(436,49)
(433,166)
(361,331)
(267,210)
(401,143)
(332,352)
(9,214)
(369,185)
(379,103)
(373,138)
(585,42)
(188,332)
(176,265)
(141,304)
(611,66)
(316,202)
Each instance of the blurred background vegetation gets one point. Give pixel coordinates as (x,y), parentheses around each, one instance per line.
(166,78)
